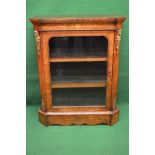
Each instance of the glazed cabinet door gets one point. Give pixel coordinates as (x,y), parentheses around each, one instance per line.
(76,69)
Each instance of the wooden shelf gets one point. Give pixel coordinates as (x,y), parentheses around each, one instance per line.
(80,59)
(79,85)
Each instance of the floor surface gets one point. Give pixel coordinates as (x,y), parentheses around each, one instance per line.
(77,140)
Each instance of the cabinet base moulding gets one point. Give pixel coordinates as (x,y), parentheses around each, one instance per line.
(78,118)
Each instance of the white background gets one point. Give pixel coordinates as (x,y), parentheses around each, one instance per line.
(142,77)
(13,77)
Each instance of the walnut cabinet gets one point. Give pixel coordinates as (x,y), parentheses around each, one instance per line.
(78,69)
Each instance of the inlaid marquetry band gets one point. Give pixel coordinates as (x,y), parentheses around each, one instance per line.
(37,38)
(117,40)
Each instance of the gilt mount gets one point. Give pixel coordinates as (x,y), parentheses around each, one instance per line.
(37,38)
(118,39)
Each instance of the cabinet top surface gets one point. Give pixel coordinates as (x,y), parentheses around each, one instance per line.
(75,19)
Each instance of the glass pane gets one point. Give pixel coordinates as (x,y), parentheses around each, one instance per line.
(79,97)
(93,46)
(78,72)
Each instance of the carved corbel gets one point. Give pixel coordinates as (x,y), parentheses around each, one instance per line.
(37,38)
(117,40)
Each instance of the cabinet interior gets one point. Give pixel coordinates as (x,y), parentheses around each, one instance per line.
(78,82)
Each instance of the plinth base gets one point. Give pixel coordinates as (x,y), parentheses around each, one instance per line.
(78,118)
